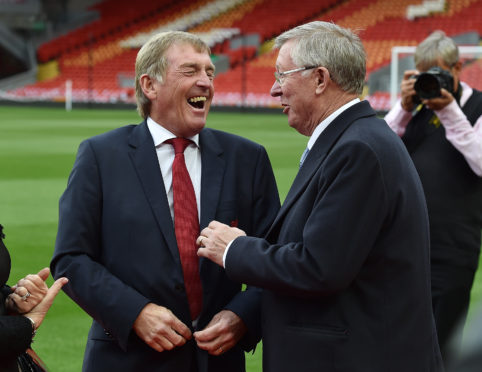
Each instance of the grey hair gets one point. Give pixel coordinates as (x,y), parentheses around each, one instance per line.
(326,44)
(437,46)
(151,60)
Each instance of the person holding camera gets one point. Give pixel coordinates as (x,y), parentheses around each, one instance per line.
(439,118)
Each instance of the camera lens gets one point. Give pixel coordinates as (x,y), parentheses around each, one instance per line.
(427,86)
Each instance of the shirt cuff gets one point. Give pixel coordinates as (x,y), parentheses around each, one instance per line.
(226,252)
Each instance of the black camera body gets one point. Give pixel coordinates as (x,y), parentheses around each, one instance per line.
(429,83)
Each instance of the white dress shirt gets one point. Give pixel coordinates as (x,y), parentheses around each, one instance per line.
(165,155)
(324,124)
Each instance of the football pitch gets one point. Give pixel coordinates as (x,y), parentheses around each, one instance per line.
(37,151)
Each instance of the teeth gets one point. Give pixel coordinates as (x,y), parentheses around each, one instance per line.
(197,99)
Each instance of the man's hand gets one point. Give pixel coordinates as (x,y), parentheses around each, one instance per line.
(440,102)
(214,239)
(223,332)
(407,90)
(160,328)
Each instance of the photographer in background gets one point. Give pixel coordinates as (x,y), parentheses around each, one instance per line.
(439,120)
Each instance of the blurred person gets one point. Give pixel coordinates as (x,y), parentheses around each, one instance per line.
(467,355)
(443,135)
(128,244)
(22,309)
(345,266)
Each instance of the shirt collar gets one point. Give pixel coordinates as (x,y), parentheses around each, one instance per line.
(466,93)
(324,124)
(160,134)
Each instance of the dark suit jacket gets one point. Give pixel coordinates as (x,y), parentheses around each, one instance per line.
(116,244)
(346,263)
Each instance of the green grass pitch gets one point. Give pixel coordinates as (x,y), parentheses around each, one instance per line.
(37,151)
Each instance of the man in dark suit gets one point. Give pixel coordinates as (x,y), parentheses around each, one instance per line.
(123,240)
(345,265)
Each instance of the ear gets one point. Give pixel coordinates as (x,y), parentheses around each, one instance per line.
(148,86)
(322,79)
(457,67)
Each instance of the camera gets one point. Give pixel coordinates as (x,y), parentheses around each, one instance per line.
(429,83)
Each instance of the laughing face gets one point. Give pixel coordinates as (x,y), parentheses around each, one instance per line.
(181,102)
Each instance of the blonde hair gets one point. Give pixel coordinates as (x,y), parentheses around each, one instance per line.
(151,60)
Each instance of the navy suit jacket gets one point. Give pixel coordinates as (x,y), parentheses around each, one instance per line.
(116,244)
(345,265)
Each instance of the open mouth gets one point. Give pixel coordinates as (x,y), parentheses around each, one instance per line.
(197,102)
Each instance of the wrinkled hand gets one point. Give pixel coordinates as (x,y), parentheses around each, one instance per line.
(28,292)
(440,102)
(214,239)
(223,332)
(160,328)
(37,314)
(407,91)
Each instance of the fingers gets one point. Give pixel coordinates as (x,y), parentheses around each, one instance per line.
(29,291)
(22,293)
(215,339)
(214,239)
(180,328)
(53,291)
(17,301)
(221,334)
(35,283)
(38,312)
(409,73)
(22,300)
(440,102)
(160,328)
(44,273)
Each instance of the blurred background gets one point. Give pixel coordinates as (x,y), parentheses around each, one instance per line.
(83,51)
(67,73)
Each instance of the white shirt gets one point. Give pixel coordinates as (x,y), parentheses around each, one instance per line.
(314,136)
(165,155)
(324,124)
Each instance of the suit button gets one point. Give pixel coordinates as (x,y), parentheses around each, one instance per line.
(179,287)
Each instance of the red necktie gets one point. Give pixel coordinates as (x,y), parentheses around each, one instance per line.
(186,225)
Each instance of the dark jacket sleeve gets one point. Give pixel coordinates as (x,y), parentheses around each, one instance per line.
(15,335)
(78,247)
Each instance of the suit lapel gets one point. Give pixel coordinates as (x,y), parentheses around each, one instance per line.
(317,155)
(212,175)
(144,157)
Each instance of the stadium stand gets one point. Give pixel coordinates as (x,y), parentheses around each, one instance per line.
(99,56)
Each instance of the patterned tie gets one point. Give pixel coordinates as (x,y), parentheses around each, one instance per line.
(186,225)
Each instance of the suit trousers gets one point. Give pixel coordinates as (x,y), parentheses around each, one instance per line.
(451,288)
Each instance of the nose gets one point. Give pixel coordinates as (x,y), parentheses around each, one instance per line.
(276,90)
(204,80)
